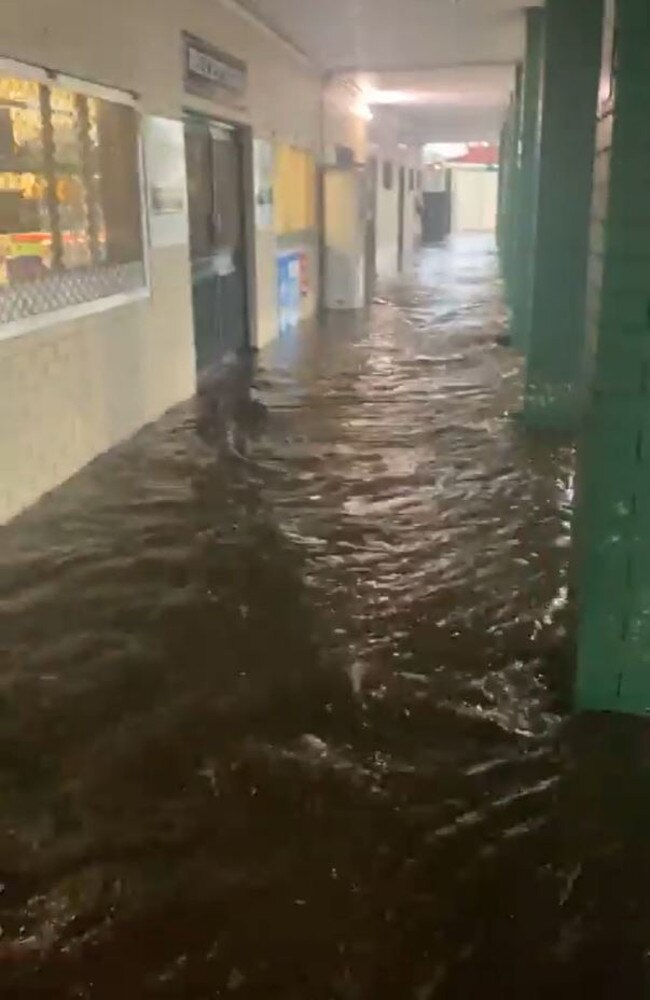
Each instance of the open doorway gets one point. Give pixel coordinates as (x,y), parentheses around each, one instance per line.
(215,182)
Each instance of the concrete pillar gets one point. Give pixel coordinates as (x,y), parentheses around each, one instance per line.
(525,207)
(612,567)
(573,49)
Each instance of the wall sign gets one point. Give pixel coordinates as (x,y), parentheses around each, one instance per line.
(164,154)
(208,70)
(263,175)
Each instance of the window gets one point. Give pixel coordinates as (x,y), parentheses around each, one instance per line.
(388,175)
(70,208)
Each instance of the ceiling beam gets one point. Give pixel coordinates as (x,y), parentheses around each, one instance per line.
(423,68)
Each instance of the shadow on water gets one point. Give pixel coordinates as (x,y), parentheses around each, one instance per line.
(280,692)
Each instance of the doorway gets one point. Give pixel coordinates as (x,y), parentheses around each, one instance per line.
(436,205)
(400,218)
(214,157)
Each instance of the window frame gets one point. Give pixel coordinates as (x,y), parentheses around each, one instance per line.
(66,314)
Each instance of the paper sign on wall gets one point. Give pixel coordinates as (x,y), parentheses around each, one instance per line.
(164,153)
(209,71)
(263,170)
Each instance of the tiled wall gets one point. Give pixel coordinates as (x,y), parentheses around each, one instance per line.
(612,533)
(71,391)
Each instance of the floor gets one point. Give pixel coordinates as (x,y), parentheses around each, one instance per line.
(285,691)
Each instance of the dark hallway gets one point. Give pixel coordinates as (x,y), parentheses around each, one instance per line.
(281,703)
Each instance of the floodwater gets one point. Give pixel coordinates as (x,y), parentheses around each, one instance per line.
(284,692)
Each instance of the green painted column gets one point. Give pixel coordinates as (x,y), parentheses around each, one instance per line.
(525,206)
(612,556)
(573,49)
(506,156)
(501,196)
(511,186)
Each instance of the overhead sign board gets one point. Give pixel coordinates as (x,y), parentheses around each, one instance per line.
(209,71)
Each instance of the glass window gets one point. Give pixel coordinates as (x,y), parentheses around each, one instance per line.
(227,196)
(72,201)
(70,209)
(200,188)
(119,182)
(25,229)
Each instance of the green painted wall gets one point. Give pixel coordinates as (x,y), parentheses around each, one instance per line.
(508,185)
(525,199)
(554,370)
(503,157)
(612,555)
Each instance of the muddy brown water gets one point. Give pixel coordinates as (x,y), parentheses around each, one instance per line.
(284,692)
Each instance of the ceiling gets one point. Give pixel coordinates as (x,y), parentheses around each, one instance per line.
(461,53)
(457,104)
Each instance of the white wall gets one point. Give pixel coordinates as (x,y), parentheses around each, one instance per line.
(74,389)
(342,124)
(387,217)
(387,144)
(388,210)
(412,220)
(474,199)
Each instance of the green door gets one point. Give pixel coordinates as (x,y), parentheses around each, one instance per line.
(216,214)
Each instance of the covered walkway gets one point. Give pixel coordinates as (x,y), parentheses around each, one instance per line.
(210,190)
(284,685)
